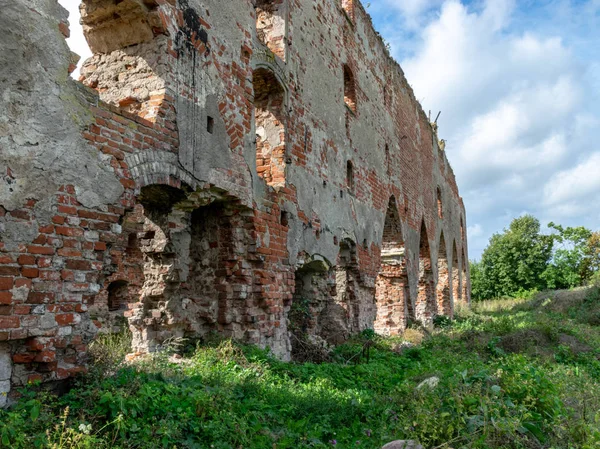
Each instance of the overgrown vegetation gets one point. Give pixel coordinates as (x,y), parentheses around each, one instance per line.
(512,374)
(521,260)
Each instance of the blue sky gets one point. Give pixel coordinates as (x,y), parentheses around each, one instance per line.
(518,84)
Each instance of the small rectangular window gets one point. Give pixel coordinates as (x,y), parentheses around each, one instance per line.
(210,124)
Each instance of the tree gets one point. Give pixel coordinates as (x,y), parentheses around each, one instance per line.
(590,267)
(570,265)
(513,261)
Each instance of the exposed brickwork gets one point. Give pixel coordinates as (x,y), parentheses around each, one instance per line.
(276,179)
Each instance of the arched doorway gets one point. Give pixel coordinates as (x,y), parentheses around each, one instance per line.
(444,304)
(391,285)
(425,305)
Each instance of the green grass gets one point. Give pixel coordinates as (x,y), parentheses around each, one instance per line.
(512,374)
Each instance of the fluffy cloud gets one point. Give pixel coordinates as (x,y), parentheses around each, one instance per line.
(518,107)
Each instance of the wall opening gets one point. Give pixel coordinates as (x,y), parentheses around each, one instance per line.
(343,318)
(209,252)
(313,294)
(349,89)
(391,285)
(284,218)
(269,116)
(425,305)
(455,276)
(118,295)
(163,246)
(462,229)
(444,303)
(160,199)
(270,25)
(350,176)
(193,277)
(439,203)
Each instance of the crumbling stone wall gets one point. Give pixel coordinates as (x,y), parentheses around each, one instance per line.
(220,167)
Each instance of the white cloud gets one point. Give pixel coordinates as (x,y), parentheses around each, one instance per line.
(474,231)
(518,107)
(581,181)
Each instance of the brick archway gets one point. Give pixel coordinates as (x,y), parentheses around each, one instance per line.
(391,286)
(425,305)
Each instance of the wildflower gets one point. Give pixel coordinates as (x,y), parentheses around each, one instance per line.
(85,428)
(368,432)
(333,442)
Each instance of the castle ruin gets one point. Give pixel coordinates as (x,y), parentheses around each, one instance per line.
(256,168)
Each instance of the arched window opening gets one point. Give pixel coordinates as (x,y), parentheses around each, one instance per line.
(118,295)
(444,304)
(270,25)
(269,116)
(350,176)
(426,305)
(455,276)
(462,229)
(349,89)
(348,6)
(439,203)
(391,286)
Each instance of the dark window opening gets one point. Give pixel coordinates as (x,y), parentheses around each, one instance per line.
(350,176)
(118,295)
(439,203)
(210,125)
(284,219)
(132,240)
(349,89)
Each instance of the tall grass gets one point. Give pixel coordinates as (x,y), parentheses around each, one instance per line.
(511,374)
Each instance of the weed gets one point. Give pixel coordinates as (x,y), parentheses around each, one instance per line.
(511,374)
